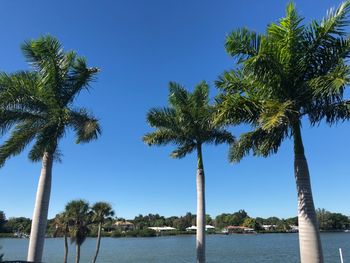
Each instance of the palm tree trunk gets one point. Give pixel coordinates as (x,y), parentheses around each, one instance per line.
(309,235)
(65,247)
(37,234)
(98,241)
(200,235)
(77,256)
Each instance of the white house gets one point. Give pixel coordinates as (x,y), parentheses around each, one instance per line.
(194,228)
(162,228)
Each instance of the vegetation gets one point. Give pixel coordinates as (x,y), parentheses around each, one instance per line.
(332,221)
(101,211)
(2,220)
(38,105)
(61,228)
(18,225)
(291,72)
(79,217)
(188,123)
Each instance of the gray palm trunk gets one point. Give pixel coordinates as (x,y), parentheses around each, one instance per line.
(309,235)
(39,222)
(98,241)
(200,234)
(77,255)
(65,244)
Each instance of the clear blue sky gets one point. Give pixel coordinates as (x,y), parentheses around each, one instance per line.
(140,46)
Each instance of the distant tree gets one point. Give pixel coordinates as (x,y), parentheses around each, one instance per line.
(18,224)
(282,225)
(251,223)
(273,220)
(79,216)
(101,211)
(332,221)
(292,221)
(208,220)
(239,217)
(61,222)
(2,220)
(188,123)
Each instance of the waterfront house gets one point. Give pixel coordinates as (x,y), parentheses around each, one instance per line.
(239,230)
(124,225)
(194,228)
(163,228)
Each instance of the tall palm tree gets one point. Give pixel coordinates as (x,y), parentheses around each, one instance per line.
(101,211)
(38,105)
(188,124)
(290,72)
(61,222)
(79,216)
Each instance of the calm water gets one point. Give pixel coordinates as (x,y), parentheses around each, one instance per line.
(181,249)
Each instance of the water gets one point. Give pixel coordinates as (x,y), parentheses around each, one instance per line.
(181,249)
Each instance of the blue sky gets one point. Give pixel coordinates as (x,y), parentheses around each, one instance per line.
(140,46)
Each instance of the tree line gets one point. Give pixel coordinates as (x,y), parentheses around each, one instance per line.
(329,221)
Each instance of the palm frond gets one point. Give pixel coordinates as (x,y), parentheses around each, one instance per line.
(243,44)
(178,95)
(219,136)
(46,141)
(162,137)
(164,117)
(20,137)
(235,109)
(200,95)
(276,115)
(86,126)
(78,78)
(183,150)
(259,141)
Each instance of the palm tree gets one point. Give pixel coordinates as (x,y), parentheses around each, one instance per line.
(290,72)
(61,222)
(79,216)
(38,105)
(188,123)
(101,212)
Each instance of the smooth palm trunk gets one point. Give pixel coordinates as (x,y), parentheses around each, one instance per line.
(200,235)
(98,242)
(65,248)
(77,256)
(37,234)
(309,235)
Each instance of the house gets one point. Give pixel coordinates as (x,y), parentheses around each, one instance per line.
(163,228)
(293,229)
(124,225)
(269,227)
(239,230)
(194,228)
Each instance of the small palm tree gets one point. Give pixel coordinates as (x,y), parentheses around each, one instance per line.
(79,216)
(188,123)
(39,106)
(61,222)
(291,72)
(100,212)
